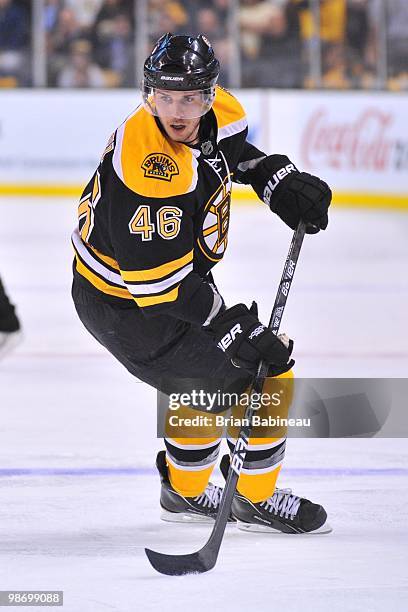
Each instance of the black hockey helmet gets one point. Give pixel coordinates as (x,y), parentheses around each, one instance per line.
(181,63)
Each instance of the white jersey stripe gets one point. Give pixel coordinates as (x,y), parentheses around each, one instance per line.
(232,128)
(117,152)
(161,285)
(92,263)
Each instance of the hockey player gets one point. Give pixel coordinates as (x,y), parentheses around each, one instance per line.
(10,334)
(153,222)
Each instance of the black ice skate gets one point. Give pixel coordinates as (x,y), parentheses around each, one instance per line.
(283,512)
(179,509)
(10,333)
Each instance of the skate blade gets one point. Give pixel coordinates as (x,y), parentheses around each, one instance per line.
(326,528)
(9,341)
(185,517)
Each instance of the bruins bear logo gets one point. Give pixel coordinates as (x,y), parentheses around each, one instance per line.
(213,238)
(159,166)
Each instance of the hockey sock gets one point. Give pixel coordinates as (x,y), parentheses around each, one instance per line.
(261,468)
(266,448)
(190,463)
(191,449)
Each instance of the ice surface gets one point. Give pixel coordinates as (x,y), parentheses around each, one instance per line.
(68,409)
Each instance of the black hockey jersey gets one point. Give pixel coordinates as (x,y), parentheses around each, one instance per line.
(153,220)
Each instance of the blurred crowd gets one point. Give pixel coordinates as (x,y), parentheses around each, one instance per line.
(15,42)
(335,44)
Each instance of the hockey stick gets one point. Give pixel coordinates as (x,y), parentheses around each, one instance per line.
(205,558)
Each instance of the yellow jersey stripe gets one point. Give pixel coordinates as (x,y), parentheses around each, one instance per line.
(99,283)
(170,296)
(159,272)
(83,207)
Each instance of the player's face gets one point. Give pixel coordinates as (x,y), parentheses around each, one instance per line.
(179,113)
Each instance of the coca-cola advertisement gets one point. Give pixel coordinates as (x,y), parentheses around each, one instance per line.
(362,142)
(359,142)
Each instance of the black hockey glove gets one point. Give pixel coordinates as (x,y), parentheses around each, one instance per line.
(239,333)
(291,194)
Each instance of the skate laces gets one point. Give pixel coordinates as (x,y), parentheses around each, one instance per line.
(282,502)
(211,496)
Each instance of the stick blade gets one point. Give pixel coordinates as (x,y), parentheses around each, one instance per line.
(180,565)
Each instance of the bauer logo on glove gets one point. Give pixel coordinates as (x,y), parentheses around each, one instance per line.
(291,194)
(275,180)
(239,333)
(229,338)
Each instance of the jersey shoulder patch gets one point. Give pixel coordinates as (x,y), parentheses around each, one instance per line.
(150,164)
(230,115)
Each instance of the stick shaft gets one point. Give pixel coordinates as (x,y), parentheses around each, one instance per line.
(240,450)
